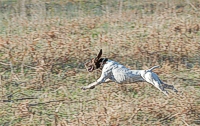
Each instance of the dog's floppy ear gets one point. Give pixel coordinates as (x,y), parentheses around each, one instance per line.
(99,55)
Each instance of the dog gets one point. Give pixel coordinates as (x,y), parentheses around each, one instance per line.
(114,71)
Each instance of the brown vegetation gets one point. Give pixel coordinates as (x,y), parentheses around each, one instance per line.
(42,65)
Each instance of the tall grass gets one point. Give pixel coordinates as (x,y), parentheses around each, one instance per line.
(44,44)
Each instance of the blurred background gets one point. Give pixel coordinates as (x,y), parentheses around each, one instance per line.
(45,43)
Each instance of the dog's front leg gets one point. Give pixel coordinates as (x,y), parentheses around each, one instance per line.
(102,79)
(90,86)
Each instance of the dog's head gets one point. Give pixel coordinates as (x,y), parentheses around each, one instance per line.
(96,62)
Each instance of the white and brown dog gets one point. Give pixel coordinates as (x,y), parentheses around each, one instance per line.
(113,71)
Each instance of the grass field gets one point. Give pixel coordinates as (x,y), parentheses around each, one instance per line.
(44,45)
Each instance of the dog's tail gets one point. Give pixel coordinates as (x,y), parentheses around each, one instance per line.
(152,68)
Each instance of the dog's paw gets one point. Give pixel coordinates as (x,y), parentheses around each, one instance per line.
(92,87)
(83,88)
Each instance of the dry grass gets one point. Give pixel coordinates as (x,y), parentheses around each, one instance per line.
(42,57)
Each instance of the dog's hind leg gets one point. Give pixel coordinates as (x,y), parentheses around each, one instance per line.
(158,85)
(168,86)
(153,79)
